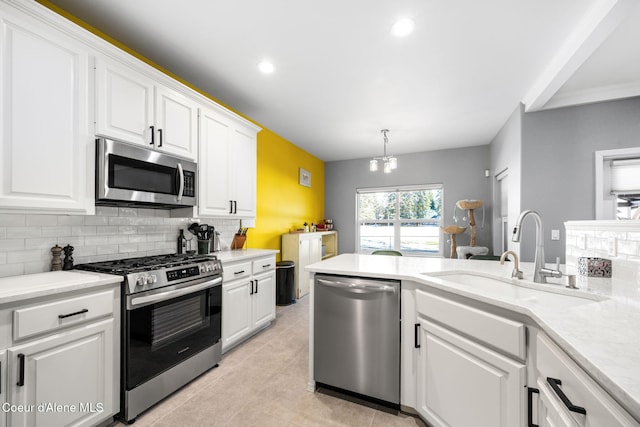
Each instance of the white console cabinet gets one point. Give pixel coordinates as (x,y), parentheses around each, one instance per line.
(46,146)
(248,298)
(307,248)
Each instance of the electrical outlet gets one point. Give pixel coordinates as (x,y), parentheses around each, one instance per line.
(555,234)
(612,247)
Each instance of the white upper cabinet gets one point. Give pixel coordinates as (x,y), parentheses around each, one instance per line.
(227,165)
(46,149)
(133,107)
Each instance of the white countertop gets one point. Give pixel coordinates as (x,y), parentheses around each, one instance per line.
(602,335)
(28,286)
(242,254)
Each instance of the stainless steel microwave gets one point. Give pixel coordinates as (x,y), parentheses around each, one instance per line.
(130,175)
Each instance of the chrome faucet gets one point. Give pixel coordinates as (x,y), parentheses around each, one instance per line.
(516,273)
(540,273)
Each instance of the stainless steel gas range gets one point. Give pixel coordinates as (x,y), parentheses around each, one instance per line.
(171,324)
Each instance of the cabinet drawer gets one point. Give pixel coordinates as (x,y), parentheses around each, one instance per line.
(264,264)
(579,388)
(50,316)
(236,271)
(504,334)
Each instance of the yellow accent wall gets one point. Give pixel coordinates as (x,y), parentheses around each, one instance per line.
(282,203)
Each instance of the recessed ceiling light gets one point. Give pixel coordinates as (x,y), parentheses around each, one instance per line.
(266,67)
(403,27)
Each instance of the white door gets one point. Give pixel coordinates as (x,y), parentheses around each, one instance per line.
(124,103)
(244,173)
(213,166)
(46,148)
(236,312)
(263,299)
(176,123)
(461,383)
(73,369)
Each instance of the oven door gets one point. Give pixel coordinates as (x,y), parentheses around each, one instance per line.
(136,175)
(164,328)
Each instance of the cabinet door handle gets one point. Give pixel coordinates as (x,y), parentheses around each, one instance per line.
(20,382)
(555,385)
(256,287)
(159,137)
(153,135)
(235,206)
(251,293)
(230,206)
(64,316)
(416,335)
(530,392)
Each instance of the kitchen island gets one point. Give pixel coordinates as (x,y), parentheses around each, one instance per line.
(600,331)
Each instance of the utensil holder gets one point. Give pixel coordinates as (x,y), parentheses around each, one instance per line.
(203,247)
(238,241)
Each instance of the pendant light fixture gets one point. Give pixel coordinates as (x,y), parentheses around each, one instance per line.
(389,163)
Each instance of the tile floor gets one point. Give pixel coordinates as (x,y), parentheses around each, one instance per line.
(263,382)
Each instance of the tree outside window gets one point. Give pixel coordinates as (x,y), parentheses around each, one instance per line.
(404,219)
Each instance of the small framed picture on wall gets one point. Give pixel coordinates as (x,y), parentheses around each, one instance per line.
(305,177)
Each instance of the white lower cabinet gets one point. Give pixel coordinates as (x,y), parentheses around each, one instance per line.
(62,364)
(64,379)
(462,383)
(248,299)
(567,396)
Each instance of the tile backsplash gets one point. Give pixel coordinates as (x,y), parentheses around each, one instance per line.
(618,241)
(26,239)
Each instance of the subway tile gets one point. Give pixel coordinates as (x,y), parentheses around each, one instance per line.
(95,240)
(148,246)
(106,249)
(24,232)
(121,220)
(39,243)
(137,238)
(127,247)
(37,267)
(127,229)
(42,220)
(13,220)
(118,239)
(106,211)
(8,270)
(59,231)
(9,245)
(96,220)
(106,229)
(71,220)
(127,212)
(84,230)
(3,232)
(25,256)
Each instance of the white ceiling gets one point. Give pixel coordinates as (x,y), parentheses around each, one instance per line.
(341,76)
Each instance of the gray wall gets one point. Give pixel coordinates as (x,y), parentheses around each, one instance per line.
(551,155)
(558,166)
(461,171)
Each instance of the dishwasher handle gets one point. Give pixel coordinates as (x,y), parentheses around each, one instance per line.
(357,287)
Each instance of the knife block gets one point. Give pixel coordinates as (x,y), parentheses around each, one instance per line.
(238,241)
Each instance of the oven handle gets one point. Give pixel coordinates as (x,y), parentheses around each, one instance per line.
(163,296)
(181,173)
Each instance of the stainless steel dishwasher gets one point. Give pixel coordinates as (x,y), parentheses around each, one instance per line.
(357,336)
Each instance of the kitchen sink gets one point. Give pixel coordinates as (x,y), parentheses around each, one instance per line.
(517,290)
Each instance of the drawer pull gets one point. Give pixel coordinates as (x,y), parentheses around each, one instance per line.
(416,335)
(266,266)
(238,272)
(20,382)
(555,385)
(64,316)
(530,392)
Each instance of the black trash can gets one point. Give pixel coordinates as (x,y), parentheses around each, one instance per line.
(285,279)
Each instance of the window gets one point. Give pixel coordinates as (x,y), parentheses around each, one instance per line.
(405,219)
(618,184)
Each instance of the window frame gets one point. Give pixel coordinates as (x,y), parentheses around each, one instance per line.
(397,221)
